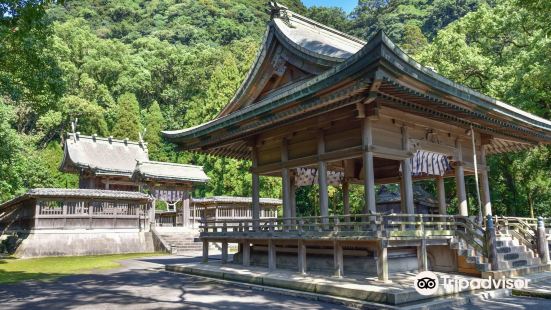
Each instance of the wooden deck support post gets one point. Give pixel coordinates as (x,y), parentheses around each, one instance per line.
(246,251)
(369,173)
(441,189)
(205,251)
(338,259)
(382,261)
(271,255)
(255,191)
(301,250)
(422,255)
(407,181)
(460,181)
(286,185)
(224,252)
(322,180)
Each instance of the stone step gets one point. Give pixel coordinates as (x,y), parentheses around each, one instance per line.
(516,272)
(519,263)
(500,243)
(511,249)
(483,267)
(514,256)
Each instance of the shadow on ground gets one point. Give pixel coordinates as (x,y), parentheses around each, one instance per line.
(139,288)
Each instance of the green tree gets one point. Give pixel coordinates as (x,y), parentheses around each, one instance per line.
(154,123)
(334,17)
(127,123)
(502,51)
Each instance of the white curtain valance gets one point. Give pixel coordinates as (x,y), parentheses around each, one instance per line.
(309,176)
(429,163)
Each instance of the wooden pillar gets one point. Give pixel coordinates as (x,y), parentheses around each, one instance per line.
(346,199)
(224,252)
(293,199)
(460,181)
(422,255)
(369,176)
(205,251)
(485,184)
(338,259)
(441,189)
(185,209)
(301,251)
(246,248)
(407,181)
(271,255)
(255,190)
(382,261)
(322,179)
(285,183)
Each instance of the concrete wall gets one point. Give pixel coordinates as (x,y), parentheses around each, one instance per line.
(84,242)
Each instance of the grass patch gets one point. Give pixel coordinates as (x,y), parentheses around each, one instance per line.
(46,268)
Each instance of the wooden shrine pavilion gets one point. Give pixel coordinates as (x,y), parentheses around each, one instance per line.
(321,105)
(111,164)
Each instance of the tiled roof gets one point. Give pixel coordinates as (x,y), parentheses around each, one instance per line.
(77,193)
(170,171)
(102,155)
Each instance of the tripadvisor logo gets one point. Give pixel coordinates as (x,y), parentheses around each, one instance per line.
(426,283)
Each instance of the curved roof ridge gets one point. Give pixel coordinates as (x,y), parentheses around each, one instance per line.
(520,114)
(326,28)
(169,164)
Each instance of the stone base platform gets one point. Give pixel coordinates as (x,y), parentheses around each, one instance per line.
(399,291)
(76,242)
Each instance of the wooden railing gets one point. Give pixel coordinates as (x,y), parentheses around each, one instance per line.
(60,213)
(523,229)
(375,225)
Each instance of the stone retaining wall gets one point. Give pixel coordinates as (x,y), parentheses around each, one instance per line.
(83,242)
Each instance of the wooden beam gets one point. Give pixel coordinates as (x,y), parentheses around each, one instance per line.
(344,154)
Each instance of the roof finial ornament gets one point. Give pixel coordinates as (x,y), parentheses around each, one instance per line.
(141,137)
(74,128)
(279,11)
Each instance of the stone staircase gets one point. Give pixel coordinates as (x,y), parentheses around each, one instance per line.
(514,259)
(514,255)
(471,255)
(181,242)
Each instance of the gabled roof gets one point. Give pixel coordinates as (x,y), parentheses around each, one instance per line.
(334,56)
(102,156)
(290,36)
(124,158)
(169,172)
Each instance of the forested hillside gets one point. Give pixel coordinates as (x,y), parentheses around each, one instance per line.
(122,67)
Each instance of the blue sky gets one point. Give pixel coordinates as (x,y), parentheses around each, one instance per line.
(346,5)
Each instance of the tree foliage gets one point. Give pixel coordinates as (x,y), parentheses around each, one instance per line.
(122,66)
